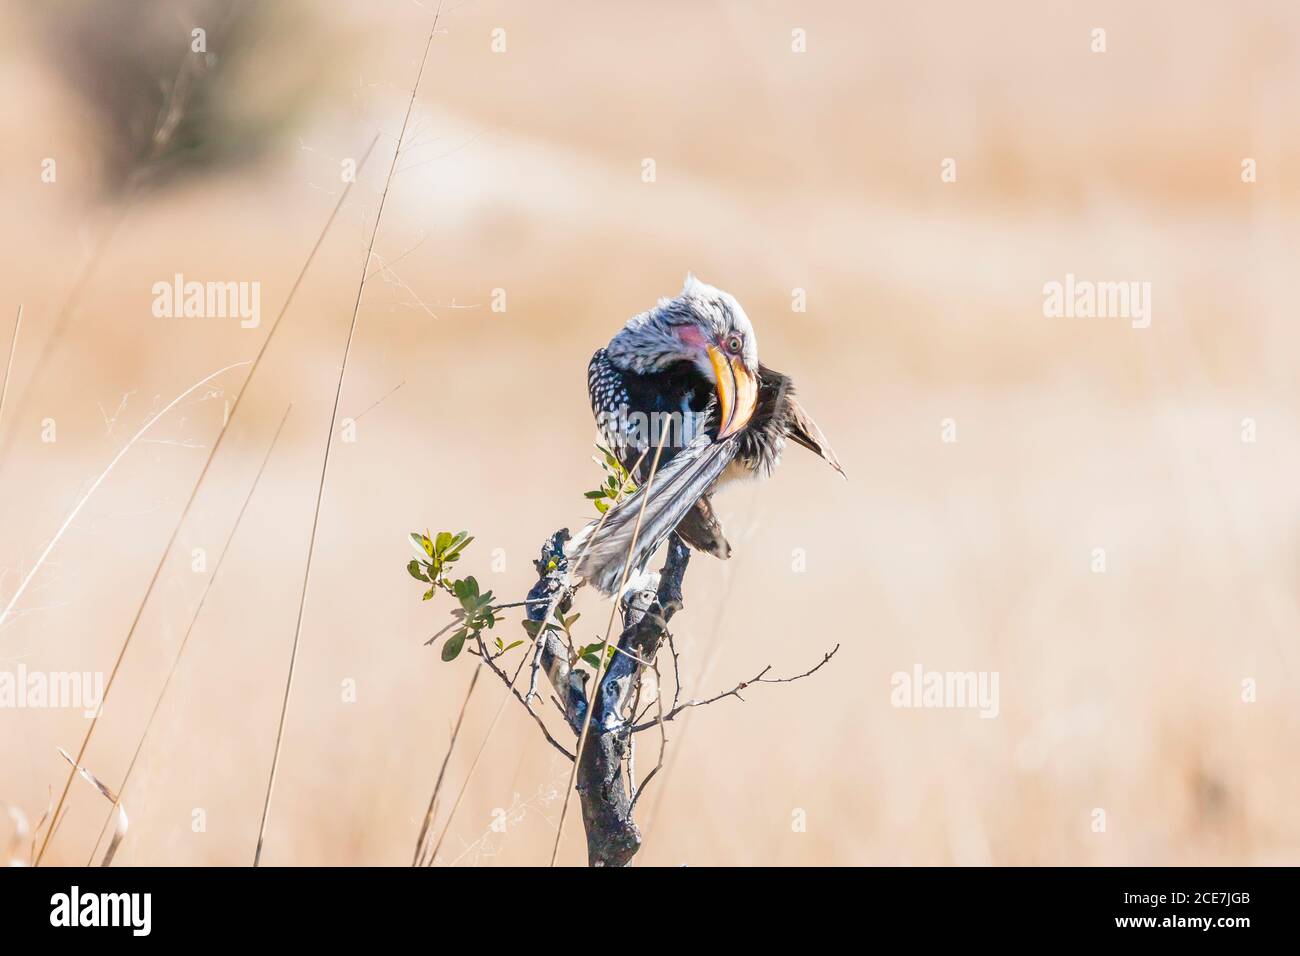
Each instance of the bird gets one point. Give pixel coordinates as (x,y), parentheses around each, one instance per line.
(683,381)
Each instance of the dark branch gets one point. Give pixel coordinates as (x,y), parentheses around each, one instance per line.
(549,597)
(612,835)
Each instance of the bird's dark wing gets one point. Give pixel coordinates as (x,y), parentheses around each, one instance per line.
(702,530)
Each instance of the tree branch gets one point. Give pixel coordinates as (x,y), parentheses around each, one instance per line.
(607,798)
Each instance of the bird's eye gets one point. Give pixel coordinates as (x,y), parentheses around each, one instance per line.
(734,344)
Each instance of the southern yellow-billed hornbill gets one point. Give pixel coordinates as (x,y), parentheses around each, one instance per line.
(685,373)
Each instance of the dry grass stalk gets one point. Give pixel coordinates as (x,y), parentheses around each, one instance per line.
(329,444)
(198,610)
(119,832)
(442,771)
(9,365)
(67,522)
(80,281)
(212,454)
(85,742)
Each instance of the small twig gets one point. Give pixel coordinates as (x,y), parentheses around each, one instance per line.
(663,742)
(455,622)
(487,655)
(535,668)
(631,743)
(520,697)
(677,673)
(761,678)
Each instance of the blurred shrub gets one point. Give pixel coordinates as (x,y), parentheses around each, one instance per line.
(181,87)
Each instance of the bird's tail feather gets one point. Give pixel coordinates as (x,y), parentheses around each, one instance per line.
(675,489)
(802,429)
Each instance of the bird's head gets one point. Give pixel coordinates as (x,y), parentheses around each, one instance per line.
(707,328)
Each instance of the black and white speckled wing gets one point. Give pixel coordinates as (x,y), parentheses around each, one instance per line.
(609,403)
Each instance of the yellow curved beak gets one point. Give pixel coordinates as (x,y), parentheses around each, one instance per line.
(737,392)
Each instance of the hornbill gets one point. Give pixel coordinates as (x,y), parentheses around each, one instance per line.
(685,374)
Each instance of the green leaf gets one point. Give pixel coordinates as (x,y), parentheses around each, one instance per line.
(423,546)
(512,646)
(443,540)
(598,493)
(451,650)
(533,627)
(428,595)
(414,570)
(601,506)
(466,590)
(458,545)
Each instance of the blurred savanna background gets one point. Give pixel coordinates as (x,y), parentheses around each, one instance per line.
(1163,691)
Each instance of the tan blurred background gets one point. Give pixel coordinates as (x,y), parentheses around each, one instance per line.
(775,171)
